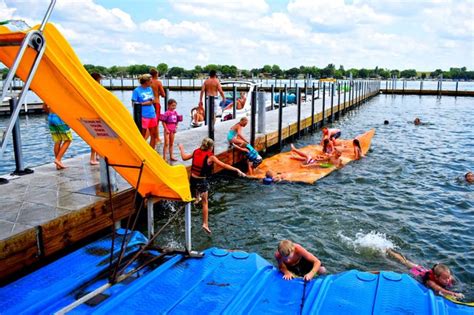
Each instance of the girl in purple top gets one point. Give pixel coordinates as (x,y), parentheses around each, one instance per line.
(170,121)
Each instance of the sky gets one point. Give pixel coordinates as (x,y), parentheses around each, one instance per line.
(418,34)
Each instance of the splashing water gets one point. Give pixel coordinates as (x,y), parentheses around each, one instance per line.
(372,241)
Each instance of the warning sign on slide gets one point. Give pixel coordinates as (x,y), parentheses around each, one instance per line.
(98,128)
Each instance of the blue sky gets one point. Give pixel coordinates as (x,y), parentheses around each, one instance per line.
(424,35)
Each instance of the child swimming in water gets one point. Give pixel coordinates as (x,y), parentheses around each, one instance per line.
(438,278)
(271,177)
(357,149)
(293,260)
(469,177)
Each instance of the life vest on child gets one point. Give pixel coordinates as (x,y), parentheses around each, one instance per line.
(171,117)
(200,166)
(252,155)
(430,275)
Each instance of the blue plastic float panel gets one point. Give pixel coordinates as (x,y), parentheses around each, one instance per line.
(222,282)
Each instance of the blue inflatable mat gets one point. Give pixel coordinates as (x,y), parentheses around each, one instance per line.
(58,284)
(222,282)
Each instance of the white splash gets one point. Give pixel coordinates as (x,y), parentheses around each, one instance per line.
(372,241)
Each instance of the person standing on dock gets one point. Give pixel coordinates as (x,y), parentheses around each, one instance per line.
(203,159)
(143,96)
(61,134)
(158,91)
(211,87)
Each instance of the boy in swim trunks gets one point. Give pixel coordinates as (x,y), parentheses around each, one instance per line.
(331,134)
(293,260)
(438,278)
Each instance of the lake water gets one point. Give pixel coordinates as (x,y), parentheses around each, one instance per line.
(408,193)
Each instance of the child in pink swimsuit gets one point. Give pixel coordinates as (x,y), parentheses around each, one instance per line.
(170,121)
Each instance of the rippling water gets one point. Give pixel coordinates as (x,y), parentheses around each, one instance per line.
(407,193)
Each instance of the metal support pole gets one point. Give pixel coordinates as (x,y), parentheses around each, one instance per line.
(206,108)
(286,97)
(234,100)
(253,112)
(19,163)
(324,104)
(338,100)
(312,108)
(421,86)
(332,101)
(261,112)
(272,101)
(47,15)
(345,89)
(298,104)
(167,93)
(150,217)
(210,117)
(457,86)
(187,226)
(319,87)
(280,121)
(137,115)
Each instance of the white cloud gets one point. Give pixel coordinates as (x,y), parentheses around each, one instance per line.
(6,13)
(277,24)
(336,15)
(93,15)
(183,29)
(450,21)
(224,10)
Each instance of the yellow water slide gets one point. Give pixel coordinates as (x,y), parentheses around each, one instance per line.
(95,114)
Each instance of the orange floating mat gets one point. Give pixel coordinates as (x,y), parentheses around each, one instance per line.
(293,171)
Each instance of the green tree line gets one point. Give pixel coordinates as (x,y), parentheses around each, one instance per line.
(274,71)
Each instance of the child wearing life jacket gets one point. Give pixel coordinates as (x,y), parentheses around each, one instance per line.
(170,121)
(203,159)
(253,157)
(438,278)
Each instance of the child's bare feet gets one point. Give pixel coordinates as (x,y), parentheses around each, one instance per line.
(292,146)
(172,158)
(206,228)
(94,162)
(59,165)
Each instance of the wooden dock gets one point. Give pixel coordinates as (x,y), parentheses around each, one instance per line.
(48,212)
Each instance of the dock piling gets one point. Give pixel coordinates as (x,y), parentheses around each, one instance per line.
(324,104)
(312,109)
(280,120)
(298,115)
(210,117)
(253,110)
